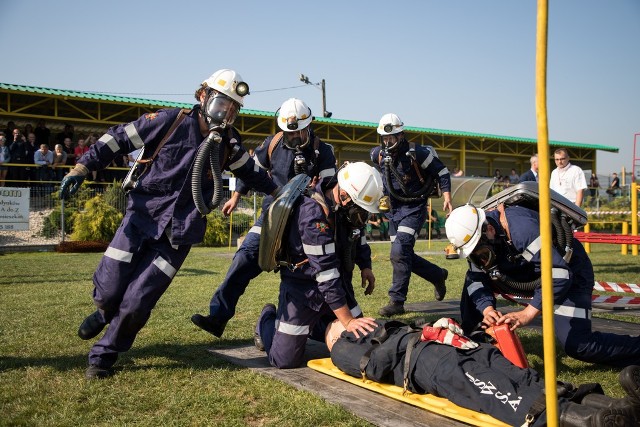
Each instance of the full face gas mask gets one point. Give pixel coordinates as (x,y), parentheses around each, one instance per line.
(356,215)
(296,139)
(219,110)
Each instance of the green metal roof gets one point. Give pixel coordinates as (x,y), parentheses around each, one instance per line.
(150,102)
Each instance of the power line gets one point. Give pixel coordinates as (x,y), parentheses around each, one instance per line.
(178,94)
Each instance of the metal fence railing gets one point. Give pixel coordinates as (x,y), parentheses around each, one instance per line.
(46,227)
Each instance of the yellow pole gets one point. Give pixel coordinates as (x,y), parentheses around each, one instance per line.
(634,216)
(428,228)
(230,230)
(624,248)
(587,245)
(545,216)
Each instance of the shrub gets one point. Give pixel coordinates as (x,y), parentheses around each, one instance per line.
(98,221)
(217,232)
(51,226)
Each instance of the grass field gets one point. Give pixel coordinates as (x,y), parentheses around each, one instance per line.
(168,377)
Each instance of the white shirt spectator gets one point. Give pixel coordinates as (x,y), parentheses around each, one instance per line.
(568,180)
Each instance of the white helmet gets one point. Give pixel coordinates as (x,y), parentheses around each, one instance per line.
(294,115)
(390,124)
(464,228)
(363,184)
(229,83)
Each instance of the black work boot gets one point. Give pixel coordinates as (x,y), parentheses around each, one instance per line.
(209,324)
(440,288)
(91,326)
(268,309)
(630,382)
(94,372)
(583,415)
(392,309)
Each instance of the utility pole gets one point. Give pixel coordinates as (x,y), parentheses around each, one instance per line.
(305,79)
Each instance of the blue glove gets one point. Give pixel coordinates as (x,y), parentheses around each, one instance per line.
(70,185)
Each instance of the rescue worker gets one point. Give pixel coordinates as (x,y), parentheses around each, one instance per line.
(506,251)
(161,220)
(319,290)
(475,376)
(410,174)
(293,150)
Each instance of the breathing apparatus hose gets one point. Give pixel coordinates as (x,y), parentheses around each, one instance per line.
(349,253)
(564,238)
(209,149)
(410,197)
(519,289)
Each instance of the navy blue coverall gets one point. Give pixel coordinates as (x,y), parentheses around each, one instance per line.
(481,379)
(310,293)
(407,218)
(572,289)
(160,224)
(244,267)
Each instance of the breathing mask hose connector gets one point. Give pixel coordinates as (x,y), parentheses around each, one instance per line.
(568,232)
(349,253)
(299,163)
(208,150)
(558,229)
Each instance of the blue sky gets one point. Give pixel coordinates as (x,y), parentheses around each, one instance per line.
(466,65)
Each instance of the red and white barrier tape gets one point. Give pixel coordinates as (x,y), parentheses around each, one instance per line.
(619,300)
(610,213)
(616,287)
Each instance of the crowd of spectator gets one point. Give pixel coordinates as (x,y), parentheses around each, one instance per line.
(46,157)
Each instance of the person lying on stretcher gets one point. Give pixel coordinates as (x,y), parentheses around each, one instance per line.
(438,359)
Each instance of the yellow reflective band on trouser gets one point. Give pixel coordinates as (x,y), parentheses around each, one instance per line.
(575,312)
(132,133)
(118,254)
(289,329)
(165,267)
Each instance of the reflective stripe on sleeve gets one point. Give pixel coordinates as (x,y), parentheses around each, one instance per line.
(257,164)
(110,142)
(289,329)
(427,161)
(165,267)
(240,162)
(392,238)
(255,229)
(132,133)
(356,311)
(443,172)
(324,173)
(533,248)
(323,276)
(474,286)
(363,240)
(319,249)
(559,273)
(118,254)
(576,312)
